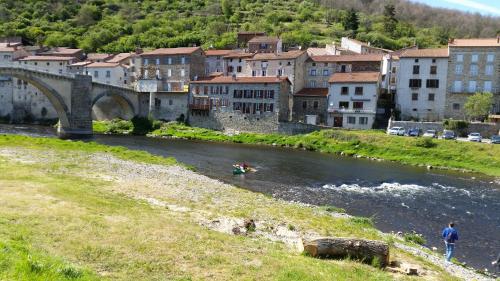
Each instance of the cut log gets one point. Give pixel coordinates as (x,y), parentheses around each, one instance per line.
(368,251)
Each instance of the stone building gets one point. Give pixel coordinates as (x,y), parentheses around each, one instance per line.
(214,61)
(256,104)
(77,54)
(359,47)
(290,64)
(235,63)
(421,84)
(49,64)
(474,66)
(245,36)
(310,105)
(265,44)
(352,99)
(320,68)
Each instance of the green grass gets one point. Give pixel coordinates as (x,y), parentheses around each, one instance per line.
(476,157)
(58,222)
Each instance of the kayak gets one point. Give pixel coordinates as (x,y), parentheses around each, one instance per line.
(242,169)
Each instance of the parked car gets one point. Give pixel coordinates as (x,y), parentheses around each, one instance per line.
(449,135)
(414,132)
(431,134)
(495,139)
(399,131)
(474,137)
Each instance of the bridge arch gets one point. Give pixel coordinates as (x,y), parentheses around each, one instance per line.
(120,98)
(54,97)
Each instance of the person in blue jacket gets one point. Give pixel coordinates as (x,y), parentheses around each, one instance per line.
(450,236)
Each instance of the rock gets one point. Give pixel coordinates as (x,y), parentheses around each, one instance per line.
(236,230)
(249,225)
(429,167)
(411,271)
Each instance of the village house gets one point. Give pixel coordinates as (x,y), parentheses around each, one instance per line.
(290,64)
(421,84)
(359,47)
(98,57)
(474,66)
(77,54)
(235,63)
(130,61)
(49,64)
(214,60)
(310,105)
(256,104)
(78,67)
(111,73)
(265,44)
(244,36)
(352,99)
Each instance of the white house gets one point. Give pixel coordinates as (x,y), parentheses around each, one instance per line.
(214,60)
(359,47)
(421,84)
(50,64)
(352,99)
(108,73)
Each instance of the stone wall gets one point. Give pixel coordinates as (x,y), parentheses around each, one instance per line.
(299,112)
(485,129)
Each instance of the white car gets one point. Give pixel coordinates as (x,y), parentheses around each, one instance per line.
(474,137)
(399,131)
(430,134)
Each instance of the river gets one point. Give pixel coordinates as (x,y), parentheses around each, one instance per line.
(397,197)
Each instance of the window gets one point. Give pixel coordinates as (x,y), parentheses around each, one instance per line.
(157,61)
(183,72)
(363,120)
(460,57)
(183,60)
(169,60)
(313,72)
(459,68)
(416,69)
(474,69)
(304,104)
(432,83)
(457,86)
(433,60)
(393,69)
(414,96)
(434,69)
(280,72)
(312,84)
(490,58)
(351,120)
(326,72)
(169,72)
(238,69)
(237,94)
(487,86)
(343,68)
(415,83)
(489,69)
(170,102)
(474,58)
(315,104)
(268,107)
(60,71)
(416,60)
(157,102)
(108,73)
(456,106)
(313,64)
(472,86)
(358,91)
(343,104)
(146,61)
(254,73)
(357,105)
(431,97)
(96,74)
(344,91)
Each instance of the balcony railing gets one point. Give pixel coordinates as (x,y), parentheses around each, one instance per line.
(494,90)
(343,110)
(199,106)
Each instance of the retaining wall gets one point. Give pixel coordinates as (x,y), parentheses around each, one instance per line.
(485,129)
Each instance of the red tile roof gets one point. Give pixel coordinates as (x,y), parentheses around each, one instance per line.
(312,92)
(476,42)
(278,56)
(103,65)
(218,52)
(120,57)
(264,39)
(46,58)
(98,56)
(425,53)
(241,80)
(61,51)
(354,77)
(348,58)
(172,51)
(239,55)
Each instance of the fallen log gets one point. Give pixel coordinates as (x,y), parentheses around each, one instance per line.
(368,251)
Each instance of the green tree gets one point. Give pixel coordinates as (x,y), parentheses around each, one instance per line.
(478,106)
(351,21)
(227,8)
(390,20)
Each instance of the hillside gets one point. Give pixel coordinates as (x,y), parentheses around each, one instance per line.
(121,25)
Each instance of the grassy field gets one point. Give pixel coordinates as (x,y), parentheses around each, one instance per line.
(73,211)
(477,157)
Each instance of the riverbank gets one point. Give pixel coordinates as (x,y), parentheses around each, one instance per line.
(83,211)
(442,154)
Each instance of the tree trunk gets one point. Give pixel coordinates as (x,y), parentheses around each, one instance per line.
(368,251)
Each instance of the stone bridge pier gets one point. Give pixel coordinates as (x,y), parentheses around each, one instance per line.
(78,121)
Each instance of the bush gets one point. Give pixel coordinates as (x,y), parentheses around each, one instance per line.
(414,238)
(425,143)
(458,126)
(142,125)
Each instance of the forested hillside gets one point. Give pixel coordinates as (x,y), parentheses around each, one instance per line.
(124,25)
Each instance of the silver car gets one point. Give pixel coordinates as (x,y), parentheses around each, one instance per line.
(398,131)
(474,137)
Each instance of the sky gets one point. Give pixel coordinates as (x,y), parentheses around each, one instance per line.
(485,7)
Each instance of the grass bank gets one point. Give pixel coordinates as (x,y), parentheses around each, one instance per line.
(476,157)
(82,211)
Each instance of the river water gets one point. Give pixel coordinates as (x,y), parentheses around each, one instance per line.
(397,197)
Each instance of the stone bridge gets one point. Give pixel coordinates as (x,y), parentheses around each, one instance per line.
(73,97)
